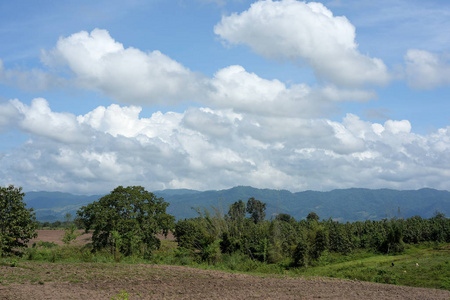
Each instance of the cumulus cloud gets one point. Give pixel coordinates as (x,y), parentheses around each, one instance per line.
(234,87)
(126,74)
(205,148)
(426,70)
(307,32)
(131,76)
(39,120)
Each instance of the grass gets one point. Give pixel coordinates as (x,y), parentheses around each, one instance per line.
(419,266)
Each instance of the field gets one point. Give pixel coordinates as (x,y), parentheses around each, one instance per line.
(76,280)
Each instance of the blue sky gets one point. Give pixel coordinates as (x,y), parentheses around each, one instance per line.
(210,94)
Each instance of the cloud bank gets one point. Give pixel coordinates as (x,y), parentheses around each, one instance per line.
(203,148)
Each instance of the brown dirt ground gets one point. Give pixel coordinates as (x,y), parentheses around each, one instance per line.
(103,281)
(56,235)
(31,280)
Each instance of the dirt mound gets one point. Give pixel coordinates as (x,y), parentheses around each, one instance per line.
(103,281)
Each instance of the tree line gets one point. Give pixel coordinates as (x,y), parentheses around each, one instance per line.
(299,242)
(126,222)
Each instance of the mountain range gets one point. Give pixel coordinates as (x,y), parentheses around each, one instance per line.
(343,204)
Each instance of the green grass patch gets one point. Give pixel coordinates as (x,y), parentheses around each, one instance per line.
(417,266)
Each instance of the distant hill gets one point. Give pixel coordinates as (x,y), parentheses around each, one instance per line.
(53,206)
(343,205)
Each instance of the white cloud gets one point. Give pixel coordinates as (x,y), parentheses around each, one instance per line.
(98,62)
(426,70)
(308,32)
(205,148)
(398,126)
(125,74)
(38,119)
(234,87)
(132,76)
(125,121)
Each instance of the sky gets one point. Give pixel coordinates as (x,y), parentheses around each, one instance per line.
(212,94)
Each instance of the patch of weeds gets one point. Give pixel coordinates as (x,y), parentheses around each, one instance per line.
(45,245)
(13,263)
(9,262)
(122,295)
(386,276)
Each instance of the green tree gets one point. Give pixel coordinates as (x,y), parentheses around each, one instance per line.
(191,233)
(134,215)
(318,241)
(235,221)
(256,209)
(70,234)
(339,238)
(237,211)
(17,223)
(312,216)
(300,254)
(285,218)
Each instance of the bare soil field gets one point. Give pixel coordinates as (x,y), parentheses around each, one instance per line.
(33,280)
(56,235)
(103,281)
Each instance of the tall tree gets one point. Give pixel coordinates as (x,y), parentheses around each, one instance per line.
(237,211)
(256,209)
(127,220)
(17,223)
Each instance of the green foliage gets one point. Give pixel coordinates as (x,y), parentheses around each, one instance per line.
(122,295)
(340,238)
(229,244)
(134,214)
(70,234)
(189,233)
(285,218)
(256,209)
(235,242)
(254,241)
(300,254)
(44,244)
(184,256)
(17,223)
(312,216)
(318,242)
(393,242)
(237,211)
(211,252)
